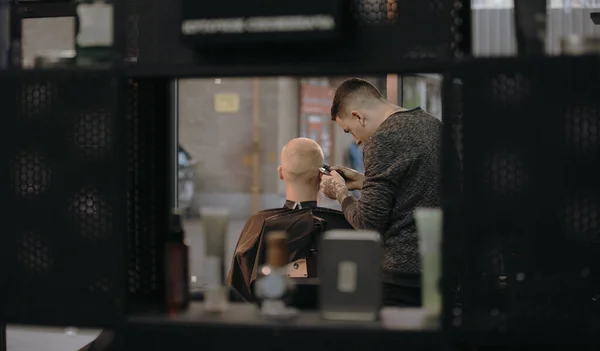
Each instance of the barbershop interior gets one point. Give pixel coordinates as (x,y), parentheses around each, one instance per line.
(314,175)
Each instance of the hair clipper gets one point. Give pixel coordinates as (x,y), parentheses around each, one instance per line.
(325,169)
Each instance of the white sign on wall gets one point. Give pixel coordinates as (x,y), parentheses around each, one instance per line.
(227,102)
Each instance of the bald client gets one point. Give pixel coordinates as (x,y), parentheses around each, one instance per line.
(299,171)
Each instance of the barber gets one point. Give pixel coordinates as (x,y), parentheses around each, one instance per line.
(402,162)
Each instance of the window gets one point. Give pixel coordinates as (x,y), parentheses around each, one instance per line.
(423,90)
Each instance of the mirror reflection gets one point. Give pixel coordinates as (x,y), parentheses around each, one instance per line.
(265,155)
(323,194)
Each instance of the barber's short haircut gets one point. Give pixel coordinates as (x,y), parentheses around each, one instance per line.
(301,159)
(350,89)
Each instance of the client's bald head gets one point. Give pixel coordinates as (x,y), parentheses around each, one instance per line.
(300,161)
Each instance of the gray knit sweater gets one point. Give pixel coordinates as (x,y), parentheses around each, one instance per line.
(402,171)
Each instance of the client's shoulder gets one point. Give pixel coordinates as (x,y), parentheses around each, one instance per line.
(317,211)
(264,214)
(328,210)
(335,219)
(271,211)
(254,227)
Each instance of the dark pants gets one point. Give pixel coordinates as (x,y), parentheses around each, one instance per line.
(402,289)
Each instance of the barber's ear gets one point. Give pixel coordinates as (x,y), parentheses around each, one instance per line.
(359,118)
(280,172)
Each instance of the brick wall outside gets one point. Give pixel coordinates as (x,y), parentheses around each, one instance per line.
(222,143)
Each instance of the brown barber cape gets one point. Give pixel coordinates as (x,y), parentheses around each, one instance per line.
(304,223)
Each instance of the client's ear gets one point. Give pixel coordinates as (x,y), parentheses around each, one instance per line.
(280,172)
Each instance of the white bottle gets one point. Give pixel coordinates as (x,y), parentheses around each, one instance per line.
(94,32)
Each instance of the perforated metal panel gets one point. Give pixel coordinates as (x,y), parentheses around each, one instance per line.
(531,149)
(372,11)
(147,196)
(83,188)
(63,196)
(435,23)
(376,12)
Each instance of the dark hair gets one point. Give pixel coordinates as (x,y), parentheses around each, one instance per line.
(348,88)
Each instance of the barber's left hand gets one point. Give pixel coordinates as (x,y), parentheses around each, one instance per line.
(334,186)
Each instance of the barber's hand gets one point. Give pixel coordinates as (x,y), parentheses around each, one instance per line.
(354,179)
(334,186)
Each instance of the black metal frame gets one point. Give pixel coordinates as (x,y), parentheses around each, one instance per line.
(379,53)
(463,29)
(149,183)
(63,193)
(400,89)
(451,111)
(522,86)
(45,9)
(16,29)
(376,48)
(381,66)
(2,337)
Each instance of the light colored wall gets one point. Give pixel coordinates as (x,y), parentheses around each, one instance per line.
(221,143)
(43,34)
(288,115)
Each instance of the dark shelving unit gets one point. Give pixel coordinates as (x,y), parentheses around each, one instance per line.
(45,9)
(242,324)
(136,97)
(299,69)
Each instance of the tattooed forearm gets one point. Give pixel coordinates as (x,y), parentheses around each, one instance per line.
(334,190)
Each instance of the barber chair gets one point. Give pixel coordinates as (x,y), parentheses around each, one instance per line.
(306,294)
(305,275)
(304,253)
(304,227)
